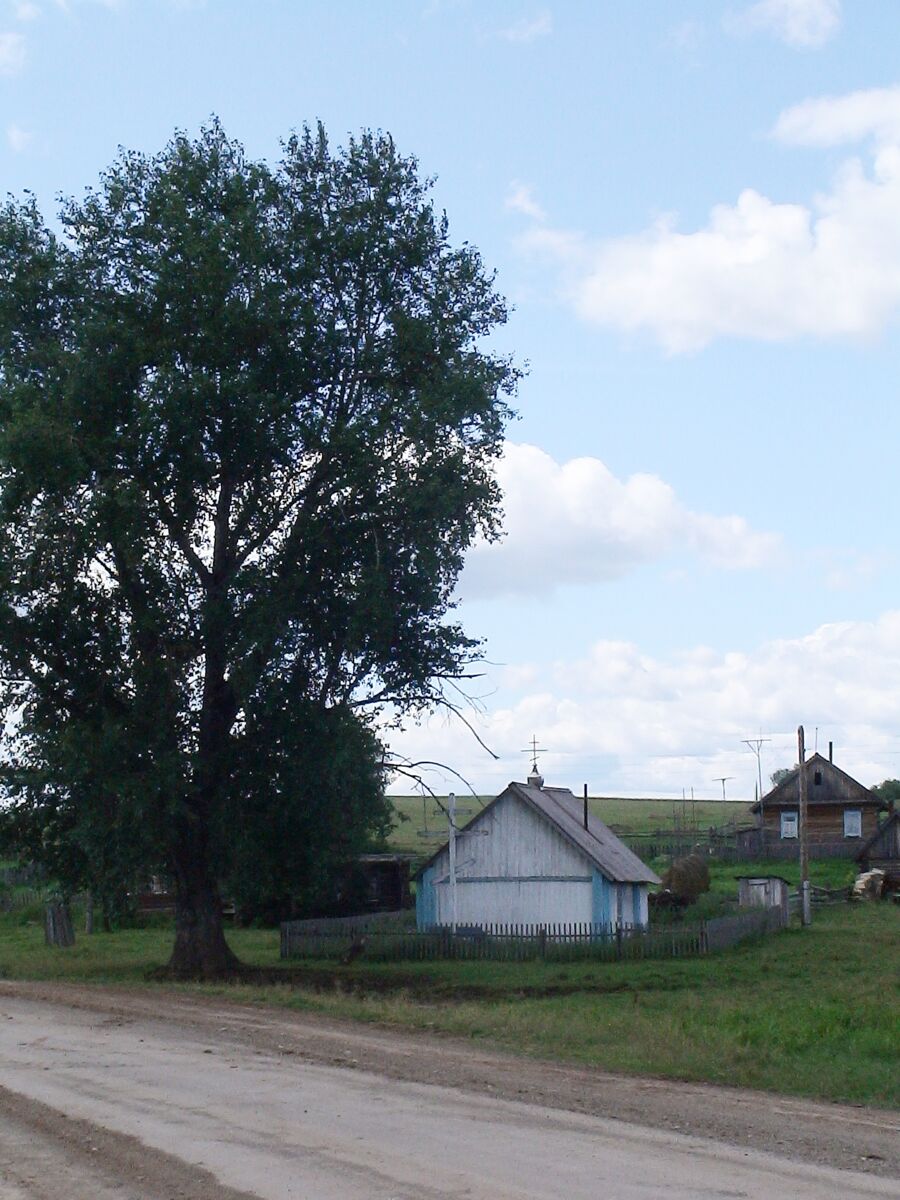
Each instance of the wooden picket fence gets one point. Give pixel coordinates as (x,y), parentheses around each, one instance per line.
(521,943)
(21,897)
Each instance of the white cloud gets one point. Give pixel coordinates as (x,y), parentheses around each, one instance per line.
(807,24)
(12,53)
(26,11)
(529,28)
(839,120)
(576,522)
(18,139)
(521,199)
(758,268)
(631,723)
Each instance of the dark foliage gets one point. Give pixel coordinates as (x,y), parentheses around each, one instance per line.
(247,432)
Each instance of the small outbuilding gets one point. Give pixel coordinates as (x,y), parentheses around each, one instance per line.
(843,813)
(763,891)
(534,856)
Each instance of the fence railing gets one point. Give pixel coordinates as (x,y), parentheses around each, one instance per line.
(22,897)
(398,920)
(723,932)
(522,943)
(19,876)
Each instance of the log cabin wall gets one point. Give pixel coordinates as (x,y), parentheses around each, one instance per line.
(826,823)
(831,793)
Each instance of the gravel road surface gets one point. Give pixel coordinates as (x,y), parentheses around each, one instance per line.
(157,1095)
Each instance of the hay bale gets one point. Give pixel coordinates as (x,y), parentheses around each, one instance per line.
(687,878)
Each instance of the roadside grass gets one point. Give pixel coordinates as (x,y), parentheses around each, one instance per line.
(807,1012)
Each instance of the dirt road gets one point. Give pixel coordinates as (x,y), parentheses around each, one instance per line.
(155,1095)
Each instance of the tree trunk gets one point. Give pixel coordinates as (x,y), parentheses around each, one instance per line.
(58,929)
(200,950)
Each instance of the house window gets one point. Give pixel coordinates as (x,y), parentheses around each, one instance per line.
(818,778)
(852,822)
(789,823)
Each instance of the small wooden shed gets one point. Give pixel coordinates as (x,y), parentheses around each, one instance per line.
(882,851)
(763,891)
(533,857)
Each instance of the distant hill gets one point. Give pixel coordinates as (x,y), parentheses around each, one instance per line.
(422,824)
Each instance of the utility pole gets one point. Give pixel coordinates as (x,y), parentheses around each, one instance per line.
(723,780)
(805,911)
(451,819)
(756,745)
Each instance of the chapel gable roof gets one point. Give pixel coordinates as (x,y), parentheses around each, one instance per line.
(565,813)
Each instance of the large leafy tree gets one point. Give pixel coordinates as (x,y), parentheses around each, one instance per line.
(247,431)
(888,791)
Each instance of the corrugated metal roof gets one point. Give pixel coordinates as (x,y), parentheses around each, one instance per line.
(566,813)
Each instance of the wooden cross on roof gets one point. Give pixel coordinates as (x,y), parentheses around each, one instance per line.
(533,751)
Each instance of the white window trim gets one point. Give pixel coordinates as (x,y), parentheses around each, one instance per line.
(794,824)
(857,813)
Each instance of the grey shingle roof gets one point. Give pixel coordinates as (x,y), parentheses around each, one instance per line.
(566,813)
(607,852)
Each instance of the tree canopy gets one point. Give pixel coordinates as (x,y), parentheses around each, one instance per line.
(888,790)
(247,432)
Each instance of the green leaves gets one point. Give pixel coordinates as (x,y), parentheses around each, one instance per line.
(247,429)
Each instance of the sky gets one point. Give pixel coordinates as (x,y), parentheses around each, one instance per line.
(693,207)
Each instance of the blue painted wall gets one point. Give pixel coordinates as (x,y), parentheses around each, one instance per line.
(602,914)
(426,901)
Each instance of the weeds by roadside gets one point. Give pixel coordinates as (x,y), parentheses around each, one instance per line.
(806,1012)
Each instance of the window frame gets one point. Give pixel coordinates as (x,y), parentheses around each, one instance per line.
(790,818)
(855,813)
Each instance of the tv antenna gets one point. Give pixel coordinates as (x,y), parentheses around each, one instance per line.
(755,745)
(723,779)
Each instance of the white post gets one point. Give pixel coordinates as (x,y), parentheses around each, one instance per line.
(451,818)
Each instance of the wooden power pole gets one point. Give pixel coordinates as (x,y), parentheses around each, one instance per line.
(805,910)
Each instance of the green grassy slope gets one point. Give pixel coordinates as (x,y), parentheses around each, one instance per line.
(422,823)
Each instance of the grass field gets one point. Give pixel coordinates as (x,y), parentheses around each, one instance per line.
(810,1012)
(422,822)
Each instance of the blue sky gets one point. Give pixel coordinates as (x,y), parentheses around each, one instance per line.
(694,208)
